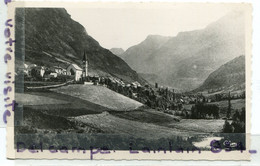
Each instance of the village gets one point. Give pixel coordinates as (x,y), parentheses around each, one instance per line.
(164,99)
(73,73)
(161,98)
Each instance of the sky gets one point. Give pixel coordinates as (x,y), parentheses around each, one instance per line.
(123,26)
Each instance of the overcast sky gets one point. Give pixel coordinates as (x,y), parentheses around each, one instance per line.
(122,27)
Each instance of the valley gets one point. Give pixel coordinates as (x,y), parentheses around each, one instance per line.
(55,111)
(179,89)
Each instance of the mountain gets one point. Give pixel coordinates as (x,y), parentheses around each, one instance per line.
(53,38)
(231,74)
(186,60)
(136,55)
(117,51)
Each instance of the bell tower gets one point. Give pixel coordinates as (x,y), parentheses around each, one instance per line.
(84,66)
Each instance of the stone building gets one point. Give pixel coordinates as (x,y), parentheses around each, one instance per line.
(74,69)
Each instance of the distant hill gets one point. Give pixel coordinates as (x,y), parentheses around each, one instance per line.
(186,60)
(53,38)
(150,78)
(117,51)
(136,55)
(229,75)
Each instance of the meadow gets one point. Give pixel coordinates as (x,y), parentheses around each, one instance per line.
(64,110)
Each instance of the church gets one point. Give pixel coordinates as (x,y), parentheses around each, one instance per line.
(81,74)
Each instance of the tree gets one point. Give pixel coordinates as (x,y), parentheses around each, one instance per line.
(238,123)
(229,106)
(227,128)
(156,85)
(243,115)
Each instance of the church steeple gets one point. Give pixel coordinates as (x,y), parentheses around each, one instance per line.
(84,57)
(85,65)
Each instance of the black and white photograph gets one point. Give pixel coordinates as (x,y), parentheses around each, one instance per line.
(144,78)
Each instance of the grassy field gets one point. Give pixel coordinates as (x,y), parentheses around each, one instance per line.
(236,104)
(147,116)
(57,104)
(199,125)
(90,110)
(113,124)
(100,95)
(39,83)
(171,121)
(35,99)
(223,105)
(80,108)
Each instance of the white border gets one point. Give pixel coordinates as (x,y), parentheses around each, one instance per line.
(255,130)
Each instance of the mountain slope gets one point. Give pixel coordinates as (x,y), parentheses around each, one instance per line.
(106,97)
(186,60)
(117,51)
(53,38)
(230,74)
(136,55)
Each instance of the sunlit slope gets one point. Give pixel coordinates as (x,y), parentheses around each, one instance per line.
(100,95)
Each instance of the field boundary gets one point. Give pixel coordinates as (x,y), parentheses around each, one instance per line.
(50,86)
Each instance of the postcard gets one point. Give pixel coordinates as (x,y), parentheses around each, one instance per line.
(124,81)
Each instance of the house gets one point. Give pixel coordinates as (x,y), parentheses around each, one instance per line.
(55,75)
(64,72)
(42,71)
(59,70)
(74,69)
(28,69)
(36,71)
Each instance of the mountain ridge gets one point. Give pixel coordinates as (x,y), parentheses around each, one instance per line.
(228,75)
(142,50)
(186,60)
(117,51)
(54,38)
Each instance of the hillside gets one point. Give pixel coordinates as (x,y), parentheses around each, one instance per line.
(186,60)
(117,51)
(53,38)
(100,95)
(136,55)
(231,74)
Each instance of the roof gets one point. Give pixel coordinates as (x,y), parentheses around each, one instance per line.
(57,67)
(75,66)
(84,57)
